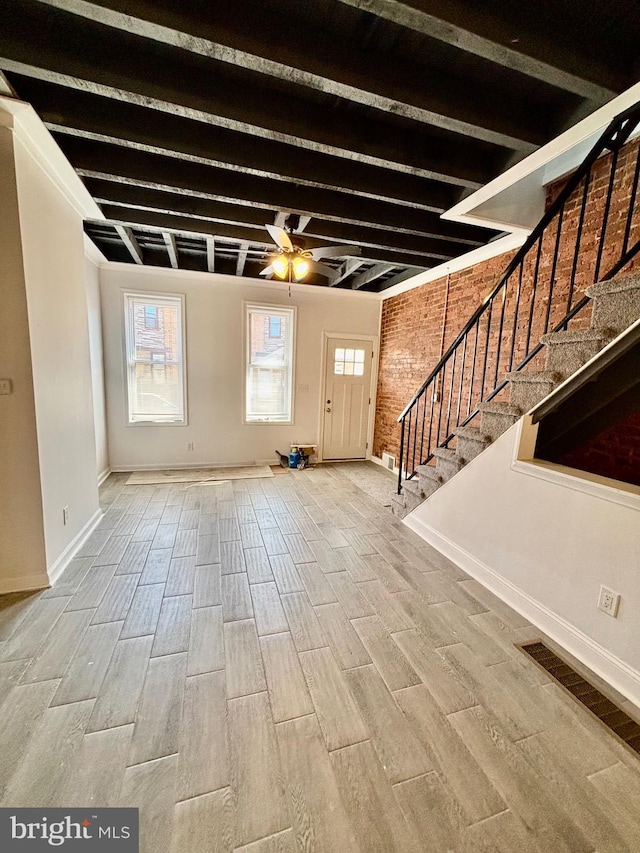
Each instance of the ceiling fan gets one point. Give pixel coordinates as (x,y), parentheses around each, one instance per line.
(295,262)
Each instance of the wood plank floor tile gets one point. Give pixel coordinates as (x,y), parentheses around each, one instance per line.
(134,558)
(286,524)
(156,567)
(250,535)
(269,615)
(165,536)
(208,549)
(299,548)
(322,553)
(316,584)
(335,707)
(186,543)
(146,530)
(286,574)
(319,817)
(309,529)
(303,622)
(157,728)
(188,519)
(258,565)
(370,802)
(117,599)
(243,660)
(282,842)
(149,787)
(55,654)
(204,824)
(208,524)
(182,575)
(93,587)
(142,618)
(174,626)
(461,773)
(349,596)
(261,805)
(401,753)
(431,811)
(207,587)
(95,543)
(203,755)
(71,579)
(206,646)
(120,691)
(10,674)
(229,530)
(392,665)
(385,573)
(113,551)
(94,778)
(287,687)
(87,669)
(42,768)
(236,598)
(392,615)
(232,558)
(343,640)
(171,514)
(21,715)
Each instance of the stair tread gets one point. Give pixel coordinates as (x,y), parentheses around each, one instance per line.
(446,453)
(429,472)
(494,408)
(614,285)
(472,434)
(413,487)
(575,336)
(543,376)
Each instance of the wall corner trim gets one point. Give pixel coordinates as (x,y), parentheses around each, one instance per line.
(72,548)
(102,476)
(608,666)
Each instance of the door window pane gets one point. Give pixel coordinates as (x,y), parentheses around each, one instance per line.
(348,362)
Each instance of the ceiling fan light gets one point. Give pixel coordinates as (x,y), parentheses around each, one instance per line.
(280,266)
(300,268)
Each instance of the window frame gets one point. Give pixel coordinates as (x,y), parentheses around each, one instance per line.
(267,309)
(158,298)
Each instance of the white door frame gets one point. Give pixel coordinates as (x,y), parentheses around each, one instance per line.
(373,339)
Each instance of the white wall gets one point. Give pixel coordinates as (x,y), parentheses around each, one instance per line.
(94,313)
(22,554)
(545,544)
(53,260)
(215,366)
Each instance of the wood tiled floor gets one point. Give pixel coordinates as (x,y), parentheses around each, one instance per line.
(280,665)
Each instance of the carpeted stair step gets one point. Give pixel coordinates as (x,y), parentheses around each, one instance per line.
(448,462)
(568,351)
(398,505)
(527,389)
(429,479)
(413,494)
(616,303)
(471,442)
(497,418)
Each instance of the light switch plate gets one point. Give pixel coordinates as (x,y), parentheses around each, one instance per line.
(5,386)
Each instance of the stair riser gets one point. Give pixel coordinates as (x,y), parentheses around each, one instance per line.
(428,486)
(468,449)
(566,358)
(616,310)
(411,501)
(526,395)
(447,469)
(493,425)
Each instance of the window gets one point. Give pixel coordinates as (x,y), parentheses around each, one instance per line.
(269,376)
(155,358)
(348,362)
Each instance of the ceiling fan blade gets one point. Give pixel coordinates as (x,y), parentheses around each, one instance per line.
(322,269)
(334,251)
(280,237)
(267,270)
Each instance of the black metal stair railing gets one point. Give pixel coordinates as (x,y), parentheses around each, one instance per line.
(535,295)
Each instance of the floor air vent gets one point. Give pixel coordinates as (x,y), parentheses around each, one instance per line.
(620,723)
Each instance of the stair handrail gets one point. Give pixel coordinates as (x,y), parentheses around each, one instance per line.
(613,138)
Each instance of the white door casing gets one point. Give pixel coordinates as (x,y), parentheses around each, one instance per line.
(346,401)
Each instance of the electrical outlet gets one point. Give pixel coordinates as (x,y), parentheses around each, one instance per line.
(609,601)
(65,515)
(190,446)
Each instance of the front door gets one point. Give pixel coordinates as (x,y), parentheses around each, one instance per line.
(346,401)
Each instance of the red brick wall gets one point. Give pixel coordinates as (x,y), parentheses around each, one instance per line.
(411,332)
(614,452)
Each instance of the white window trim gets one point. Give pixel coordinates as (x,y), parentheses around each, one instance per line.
(263,306)
(127,335)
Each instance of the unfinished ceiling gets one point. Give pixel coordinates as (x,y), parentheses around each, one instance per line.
(194,124)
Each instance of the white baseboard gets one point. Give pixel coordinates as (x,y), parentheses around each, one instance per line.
(379,461)
(73,547)
(25,583)
(103,476)
(184,466)
(608,666)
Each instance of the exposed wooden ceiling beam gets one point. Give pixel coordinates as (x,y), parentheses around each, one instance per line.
(296,75)
(385,158)
(211,254)
(128,238)
(242,258)
(172,250)
(407,15)
(371,275)
(347,268)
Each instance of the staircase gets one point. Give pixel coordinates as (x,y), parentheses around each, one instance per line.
(530,333)
(615,307)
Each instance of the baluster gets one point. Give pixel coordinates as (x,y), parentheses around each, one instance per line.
(401,459)
(515,316)
(460,385)
(576,251)
(409,468)
(424,420)
(553,268)
(605,215)
(533,295)
(473,366)
(450,400)
(432,397)
(500,329)
(415,435)
(632,204)
(440,396)
(486,349)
